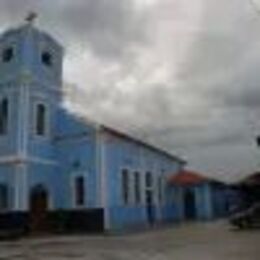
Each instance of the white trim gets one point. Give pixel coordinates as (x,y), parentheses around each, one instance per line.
(42,161)
(21,159)
(24,184)
(131,186)
(10,159)
(22,119)
(97,169)
(26,120)
(21,188)
(17,79)
(16,189)
(143,171)
(19,120)
(103,179)
(50,200)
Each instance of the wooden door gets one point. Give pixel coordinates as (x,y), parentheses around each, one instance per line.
(190,205)
(38,210)
(149,207)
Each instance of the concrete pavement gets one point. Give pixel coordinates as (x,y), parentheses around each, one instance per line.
(210,241)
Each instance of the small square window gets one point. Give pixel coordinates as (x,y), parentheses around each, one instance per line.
(7,54)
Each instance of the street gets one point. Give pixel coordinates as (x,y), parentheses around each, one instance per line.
(208,241)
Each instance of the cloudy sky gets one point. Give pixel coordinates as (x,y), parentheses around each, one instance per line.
(183,74)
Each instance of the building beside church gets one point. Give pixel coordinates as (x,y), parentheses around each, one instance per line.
(55,165)
(198,197)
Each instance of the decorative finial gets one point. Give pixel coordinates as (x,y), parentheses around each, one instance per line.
(31,17)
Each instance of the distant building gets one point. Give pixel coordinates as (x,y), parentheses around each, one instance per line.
(198,197)
(247,191)
(57,169)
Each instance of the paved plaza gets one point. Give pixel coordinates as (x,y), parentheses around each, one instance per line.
(208,241)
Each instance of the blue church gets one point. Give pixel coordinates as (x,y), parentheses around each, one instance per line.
(58,170)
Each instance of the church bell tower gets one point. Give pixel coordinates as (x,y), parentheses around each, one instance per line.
(30,96)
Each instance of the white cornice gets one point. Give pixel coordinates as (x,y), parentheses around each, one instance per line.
(14,159)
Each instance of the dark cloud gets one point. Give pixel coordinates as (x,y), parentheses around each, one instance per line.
(181,74)
(107,27)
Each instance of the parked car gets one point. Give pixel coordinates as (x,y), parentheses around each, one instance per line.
(248,218)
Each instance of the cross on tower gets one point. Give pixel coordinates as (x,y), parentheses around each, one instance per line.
(31,17)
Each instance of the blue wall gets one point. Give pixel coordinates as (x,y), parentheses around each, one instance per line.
(72,146)
(121,153)
(76,149)
(210,200)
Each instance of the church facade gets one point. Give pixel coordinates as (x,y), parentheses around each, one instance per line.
(53,163)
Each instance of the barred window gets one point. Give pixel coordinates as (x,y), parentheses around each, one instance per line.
(3,116)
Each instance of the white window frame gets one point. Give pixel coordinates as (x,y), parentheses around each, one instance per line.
(131,187)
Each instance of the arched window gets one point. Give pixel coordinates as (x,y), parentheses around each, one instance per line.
(3,116)
(41,119)
(79,191)
(3,197)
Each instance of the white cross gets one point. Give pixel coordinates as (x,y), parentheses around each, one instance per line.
(30,18)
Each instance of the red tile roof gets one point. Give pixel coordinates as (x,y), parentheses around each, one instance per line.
(186,177)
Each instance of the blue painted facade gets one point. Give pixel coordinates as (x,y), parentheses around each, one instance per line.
(209,201)
(72,147)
